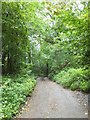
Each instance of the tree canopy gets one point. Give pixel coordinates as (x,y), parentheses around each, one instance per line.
(38,33)
(45,39)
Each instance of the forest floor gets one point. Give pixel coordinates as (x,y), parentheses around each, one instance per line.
(50,100)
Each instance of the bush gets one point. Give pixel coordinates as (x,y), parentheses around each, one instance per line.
(75,79)
(75,85)
(15,91)
(85,86)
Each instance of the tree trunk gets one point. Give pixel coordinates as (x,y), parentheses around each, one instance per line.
(3,63)
(9,65)
(47,69)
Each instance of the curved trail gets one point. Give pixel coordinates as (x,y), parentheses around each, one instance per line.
(50,100)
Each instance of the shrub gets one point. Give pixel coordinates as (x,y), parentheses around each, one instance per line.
(14,94)
(85,86)
(76,79)
(75,85)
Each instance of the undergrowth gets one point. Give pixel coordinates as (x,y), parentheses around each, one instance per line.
(14,93)
(75,79)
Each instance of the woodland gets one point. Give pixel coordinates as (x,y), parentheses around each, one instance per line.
(43,39)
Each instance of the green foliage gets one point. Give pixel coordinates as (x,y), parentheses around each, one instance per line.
(18,27)
(14,94)
(76,79)
(85,86)
(75,86)
(43,39)
(37,34)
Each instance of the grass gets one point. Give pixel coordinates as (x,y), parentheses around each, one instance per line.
(14,93)
(75,79)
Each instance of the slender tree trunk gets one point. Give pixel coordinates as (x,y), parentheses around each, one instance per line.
(3,62)
(9,65)
(47,69)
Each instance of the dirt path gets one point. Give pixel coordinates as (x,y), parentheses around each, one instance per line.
(50,100)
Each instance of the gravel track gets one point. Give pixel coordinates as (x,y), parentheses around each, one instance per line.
(50,100)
